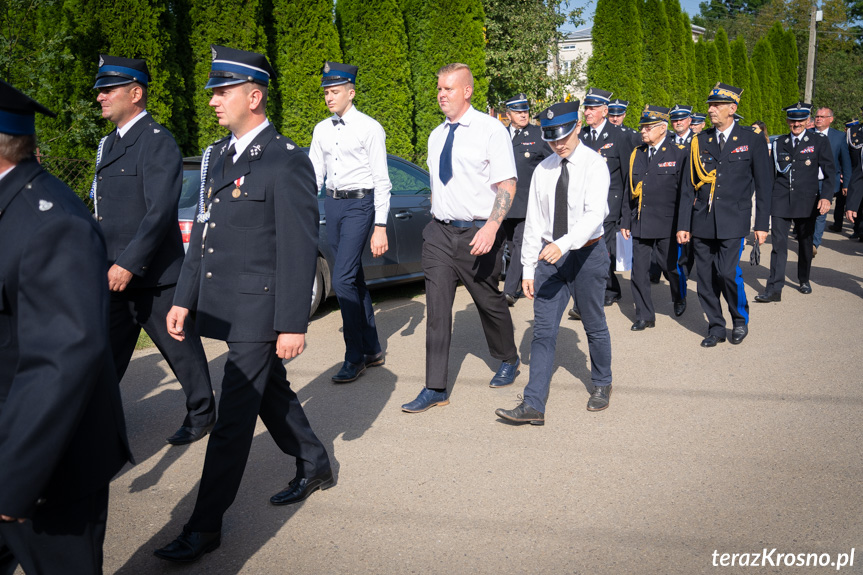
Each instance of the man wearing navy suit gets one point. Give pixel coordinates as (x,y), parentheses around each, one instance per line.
(798,157)
(529,150)
(139,177)
(659,171)
(62,433)
(730,161)
(842,172)
(248,276)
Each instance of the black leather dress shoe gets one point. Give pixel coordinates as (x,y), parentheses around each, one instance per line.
(189,546)
(679,307)
(739,333)
(349,372)
(300,488)
(711,341)
(610,299)
(573,314)
(835,228)
(186,435)
(654,279)
(805,288)
(510,299)
(522,414)
(600,398)
(768,297)
(374,360)
(641,324)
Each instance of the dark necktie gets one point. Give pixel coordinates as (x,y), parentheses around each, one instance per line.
(446,156)
(593,135)
(561,209)
(517,133)
(793,143)
(721,141)
(337,121)
(650,151)
(229,159)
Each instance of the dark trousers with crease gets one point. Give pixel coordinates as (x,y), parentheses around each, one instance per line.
(254,384)
(62,538)
(612,286)
(349,222)
(446,261)
(667,256)
(147,308)
(514,231)
(805,229)
(718,271)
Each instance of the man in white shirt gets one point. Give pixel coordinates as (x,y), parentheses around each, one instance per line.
(473,177)
(349,153)
(563,257)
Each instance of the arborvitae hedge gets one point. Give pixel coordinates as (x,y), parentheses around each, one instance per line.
(679,90)
(233,23)
(373,37)
(657,76)
(703,80)
(785,50)
(714,73)
(723,53)
(304,37)
(755,93)
(765,65)
(618,53)
(442,32)
(695,94)
(740,70)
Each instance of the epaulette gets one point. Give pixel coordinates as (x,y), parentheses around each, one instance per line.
(750,128)
(284,143)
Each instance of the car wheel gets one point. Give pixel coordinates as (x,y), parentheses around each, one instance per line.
(318,287)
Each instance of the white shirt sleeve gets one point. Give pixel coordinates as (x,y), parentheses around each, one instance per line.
(377,153)
(316,155)
(531,243)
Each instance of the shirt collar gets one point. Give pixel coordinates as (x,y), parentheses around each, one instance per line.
(347,116)
(240,144)
(465,118)
(726,132)
(125,129)
(4,174)
(600,128)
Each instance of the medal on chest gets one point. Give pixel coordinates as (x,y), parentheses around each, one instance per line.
(237,183)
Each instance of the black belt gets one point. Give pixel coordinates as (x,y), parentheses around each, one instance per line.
(463,223)
(349,194)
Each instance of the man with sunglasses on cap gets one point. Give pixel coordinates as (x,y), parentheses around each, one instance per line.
(799,157)
(728,162)
(349,153)
(248,275)
(139,177)
(62,433)
(529,150)
(564,256)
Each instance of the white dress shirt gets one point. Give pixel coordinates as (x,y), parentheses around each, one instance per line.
(482,157)
(3,175)
(587,201)
(681,139)
(240,144)
(353,156)
(122,131)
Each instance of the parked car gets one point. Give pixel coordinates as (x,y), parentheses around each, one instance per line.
(410,211)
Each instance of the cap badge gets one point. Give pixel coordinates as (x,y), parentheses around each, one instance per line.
(549,115)
(45,205)
(101,61)
(215,55)
(327,68)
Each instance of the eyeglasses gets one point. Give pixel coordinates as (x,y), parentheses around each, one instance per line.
(648,127)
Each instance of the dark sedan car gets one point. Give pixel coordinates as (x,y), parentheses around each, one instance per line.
(410,211)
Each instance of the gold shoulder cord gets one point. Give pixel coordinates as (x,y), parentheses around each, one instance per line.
(636,191)
(704,176)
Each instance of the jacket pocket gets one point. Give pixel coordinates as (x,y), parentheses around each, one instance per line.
(256,284)
(247,208)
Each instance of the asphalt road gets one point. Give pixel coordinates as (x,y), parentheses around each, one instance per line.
(734,449)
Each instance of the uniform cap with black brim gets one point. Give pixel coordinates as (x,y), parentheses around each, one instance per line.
(336,73)
(518,103)
(679,112)
(653,115)
(617,107)
(118,71)
(232,66)
(558,121)
(18,111)
(798,111)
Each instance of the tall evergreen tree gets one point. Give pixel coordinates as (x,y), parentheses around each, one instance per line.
(657,81)
(694,93)
(233,23)
(785,49)
(703,79)
(765,65)
(618,56)
(373,37)
(442,32)
(679,91)
(740,70)
(723,53)
(714,73)
(755,97)
(304,37)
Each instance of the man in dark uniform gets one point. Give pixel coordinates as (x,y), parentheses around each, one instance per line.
(616,115)
(658,172)
(615,146)
(798,157)
(248,275)
(529,150)
(62,433)
(855,192)
(729,161)
(854,137)
(697,123)
(349,153)
(139,177)
(681,120)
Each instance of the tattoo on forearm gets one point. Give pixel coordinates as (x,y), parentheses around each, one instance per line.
(502,201)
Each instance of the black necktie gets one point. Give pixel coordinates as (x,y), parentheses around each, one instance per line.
(337,121)
(650,152)
(794,143)
(721,141)
(593,135)
(445,168)
(229,159)
(561,209)
(517,133)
